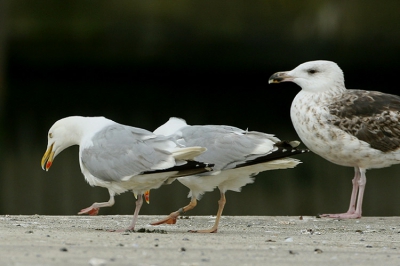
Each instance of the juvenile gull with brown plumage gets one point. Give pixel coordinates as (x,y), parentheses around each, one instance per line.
(121,158)
(354,128)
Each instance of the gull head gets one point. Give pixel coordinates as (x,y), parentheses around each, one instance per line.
(313,76)
(63,134)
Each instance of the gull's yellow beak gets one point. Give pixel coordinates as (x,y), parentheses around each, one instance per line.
(47,158)
(147,196)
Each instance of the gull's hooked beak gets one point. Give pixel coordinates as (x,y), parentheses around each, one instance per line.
(280,77)
(47,158)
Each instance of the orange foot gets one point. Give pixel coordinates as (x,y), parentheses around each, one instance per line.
(90,210)
(168,220)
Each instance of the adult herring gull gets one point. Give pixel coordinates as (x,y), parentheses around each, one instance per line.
(354,128)
(237,156)
(121,158)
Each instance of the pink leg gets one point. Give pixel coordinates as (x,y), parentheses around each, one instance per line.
(361,184)
(355,181)
(171,218)
(354,211)
(94,209)
(139,203)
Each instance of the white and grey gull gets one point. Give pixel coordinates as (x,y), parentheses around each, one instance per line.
(121,158)
(237,155)
(355,128)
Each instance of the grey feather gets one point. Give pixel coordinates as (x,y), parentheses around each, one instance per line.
(220,139)
(119,151)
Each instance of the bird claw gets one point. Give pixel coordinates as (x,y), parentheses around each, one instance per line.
(126,230)
(342,215)
(210,231)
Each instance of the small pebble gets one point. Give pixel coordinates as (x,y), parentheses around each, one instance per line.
(317,250)
(97,262)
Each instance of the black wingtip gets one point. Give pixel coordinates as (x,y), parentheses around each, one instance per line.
(190,167)
(285,149)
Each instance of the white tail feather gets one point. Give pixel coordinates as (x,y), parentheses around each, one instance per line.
(188,153)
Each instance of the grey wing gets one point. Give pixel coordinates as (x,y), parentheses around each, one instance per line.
(226,146)
(120,151)
(370,116)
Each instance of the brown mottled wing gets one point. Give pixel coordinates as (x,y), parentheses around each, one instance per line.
(370,116)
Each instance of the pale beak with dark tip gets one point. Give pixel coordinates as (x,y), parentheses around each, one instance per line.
(48,158)
(280,77)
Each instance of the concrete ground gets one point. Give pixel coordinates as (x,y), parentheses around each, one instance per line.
(241,240)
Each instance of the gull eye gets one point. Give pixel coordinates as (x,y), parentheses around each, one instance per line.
(312,71)
(50,135)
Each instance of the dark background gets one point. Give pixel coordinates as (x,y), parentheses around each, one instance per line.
(140,62)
